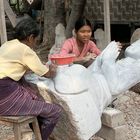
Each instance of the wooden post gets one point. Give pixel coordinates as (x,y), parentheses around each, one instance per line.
(3,33)
(9,12)
(107,21)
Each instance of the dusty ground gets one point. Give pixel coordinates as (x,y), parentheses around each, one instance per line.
(128,103)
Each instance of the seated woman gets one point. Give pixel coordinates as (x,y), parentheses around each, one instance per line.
(81,45)
(16,57)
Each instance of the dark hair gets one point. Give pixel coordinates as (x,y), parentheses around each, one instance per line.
(25,28)
(82,22)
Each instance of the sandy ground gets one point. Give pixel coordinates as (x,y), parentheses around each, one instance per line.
(128,103)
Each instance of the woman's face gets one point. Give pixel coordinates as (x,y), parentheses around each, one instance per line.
(84,34)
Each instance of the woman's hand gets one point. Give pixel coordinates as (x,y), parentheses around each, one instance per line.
(52,71)
(87,60)
(90,56)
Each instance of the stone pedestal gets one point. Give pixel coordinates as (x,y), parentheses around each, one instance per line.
(66,128)
(113,125)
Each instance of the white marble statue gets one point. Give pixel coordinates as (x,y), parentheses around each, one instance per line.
(87,91)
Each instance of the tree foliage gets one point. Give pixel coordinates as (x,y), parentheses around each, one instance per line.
(76,11)
(60,11)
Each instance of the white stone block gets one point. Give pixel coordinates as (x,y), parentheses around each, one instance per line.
(112,117)
(117,133)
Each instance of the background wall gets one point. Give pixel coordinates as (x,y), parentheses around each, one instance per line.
(121,10)
(124,17)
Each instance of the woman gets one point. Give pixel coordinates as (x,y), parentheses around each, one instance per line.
(16,57)
(81,45)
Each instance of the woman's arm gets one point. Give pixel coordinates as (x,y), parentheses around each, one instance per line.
(32,61)
(52,71)
(85,61)
(93,48)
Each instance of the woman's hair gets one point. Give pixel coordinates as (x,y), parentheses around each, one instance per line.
(25,28)
(82,22)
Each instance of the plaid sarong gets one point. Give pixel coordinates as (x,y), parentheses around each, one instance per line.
(17,99)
